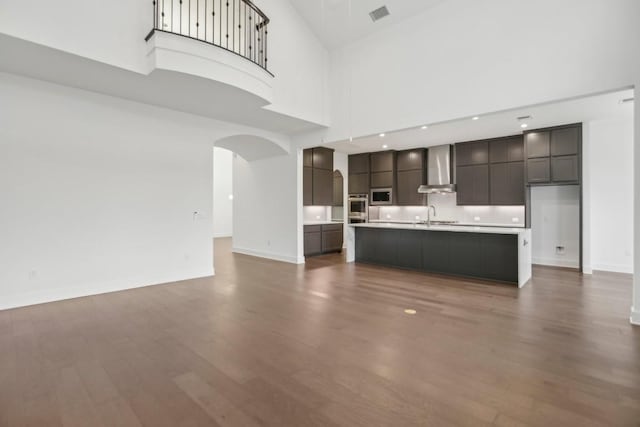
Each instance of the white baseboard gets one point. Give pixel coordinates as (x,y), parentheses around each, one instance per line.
(268,255)
(614,268)
(59,294)
(635,316)
(555,262)
(221,235)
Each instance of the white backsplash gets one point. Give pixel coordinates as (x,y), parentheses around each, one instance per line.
(447,210)
(316,213)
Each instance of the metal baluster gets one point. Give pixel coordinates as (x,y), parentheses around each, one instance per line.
(197,19)
(189,19)
(266,32)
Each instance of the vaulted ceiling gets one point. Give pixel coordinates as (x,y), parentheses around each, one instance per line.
(340,22)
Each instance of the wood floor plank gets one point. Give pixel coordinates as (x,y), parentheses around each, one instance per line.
(327,343)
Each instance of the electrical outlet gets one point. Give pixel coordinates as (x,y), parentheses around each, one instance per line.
(560,250)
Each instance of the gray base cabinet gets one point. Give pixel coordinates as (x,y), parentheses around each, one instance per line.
(312,240)
(322,239)
(479,255)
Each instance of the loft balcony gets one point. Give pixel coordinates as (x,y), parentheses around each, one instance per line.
(221,40)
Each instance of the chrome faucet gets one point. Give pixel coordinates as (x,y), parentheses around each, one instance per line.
(429,214)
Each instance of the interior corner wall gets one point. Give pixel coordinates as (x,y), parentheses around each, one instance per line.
(609,201)
(265,207)
(635,309)
(222,192)
(97,194)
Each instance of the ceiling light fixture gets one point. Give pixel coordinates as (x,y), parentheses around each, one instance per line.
(475,118)
(385,146)
(424,127)
(524,125)
(381,135)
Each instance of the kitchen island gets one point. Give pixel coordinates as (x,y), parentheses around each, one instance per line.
(494,253)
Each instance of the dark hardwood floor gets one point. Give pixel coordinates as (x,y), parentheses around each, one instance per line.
(268,343)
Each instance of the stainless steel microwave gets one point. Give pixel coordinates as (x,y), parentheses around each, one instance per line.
(381,196)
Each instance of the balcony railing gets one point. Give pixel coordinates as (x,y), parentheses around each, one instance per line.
(235,25)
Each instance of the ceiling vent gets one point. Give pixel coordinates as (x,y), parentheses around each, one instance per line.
(626,100)
(379,13)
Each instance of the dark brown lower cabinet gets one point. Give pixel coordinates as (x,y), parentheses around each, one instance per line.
(507,183)
(331,238)
(322,239)
(312,240)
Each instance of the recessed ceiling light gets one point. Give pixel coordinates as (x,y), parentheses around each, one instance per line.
(524,125)
(382,135)
(350,139)
(475,118)
(385,146)
(410,311)
(424,127)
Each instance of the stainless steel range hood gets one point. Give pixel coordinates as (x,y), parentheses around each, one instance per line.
(439,171)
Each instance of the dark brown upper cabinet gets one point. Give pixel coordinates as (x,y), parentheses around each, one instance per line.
(490,172)
(472,153)
(307,184)
(359,163)
(472,184)
(323,158)
(307,158)
(506,149)
(407,188)
(322,187)
(383,169)
(411,159)
(359,176)
(565,169)
(317,178)
(553,155)
(537,144)
(383,161)
(359,183)
(538,170)
(411,174)
(564,141)
(506,183)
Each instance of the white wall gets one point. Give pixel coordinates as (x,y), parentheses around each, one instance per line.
(466,57)
(610,202)
(555,221)
(114,33)
(98,194)
(267,215)
(222,191)
(635,309)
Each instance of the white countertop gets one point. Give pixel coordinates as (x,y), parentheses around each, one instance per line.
(322,222)
(455,228)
